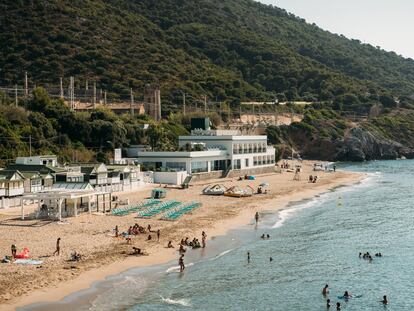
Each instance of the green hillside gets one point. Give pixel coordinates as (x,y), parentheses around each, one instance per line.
(227,49)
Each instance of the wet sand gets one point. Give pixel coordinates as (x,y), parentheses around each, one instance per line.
(104,255)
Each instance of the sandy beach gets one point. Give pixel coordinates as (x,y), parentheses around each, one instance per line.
(104,255)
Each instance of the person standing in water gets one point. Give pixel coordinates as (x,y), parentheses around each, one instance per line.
(181,263)
(325,290)
(57,251)
(203,239)
(328,304)
(248,257)
(384,300)
(338,306)
(256,217)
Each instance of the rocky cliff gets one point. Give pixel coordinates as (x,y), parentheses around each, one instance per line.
(362,145)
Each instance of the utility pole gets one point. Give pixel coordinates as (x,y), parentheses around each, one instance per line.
(61,87)
(72,93)
(132,103)
(86,86)
(26,85)
(94,95)
(30,145)
(105,97)
(183,103)
(15,95)
(205,104)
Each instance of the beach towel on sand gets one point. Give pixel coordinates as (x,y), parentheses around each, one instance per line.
(28,262)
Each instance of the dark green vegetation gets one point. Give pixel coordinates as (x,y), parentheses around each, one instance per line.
(52,128)
(230,50)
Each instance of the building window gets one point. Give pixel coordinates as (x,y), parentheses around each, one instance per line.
(237,164)
(198,167)
(246,162)
(254,161)
(176,166)
(218,165)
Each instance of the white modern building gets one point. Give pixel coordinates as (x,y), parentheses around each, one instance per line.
(213,151)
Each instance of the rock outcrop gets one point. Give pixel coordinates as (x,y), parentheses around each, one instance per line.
(362,145)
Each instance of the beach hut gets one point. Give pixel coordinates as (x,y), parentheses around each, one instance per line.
(158,193)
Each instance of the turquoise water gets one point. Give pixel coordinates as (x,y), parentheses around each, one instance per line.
(312,243)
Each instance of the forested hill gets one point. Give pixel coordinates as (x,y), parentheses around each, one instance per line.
(227,49)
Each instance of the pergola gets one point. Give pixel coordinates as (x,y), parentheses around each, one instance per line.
(62,195)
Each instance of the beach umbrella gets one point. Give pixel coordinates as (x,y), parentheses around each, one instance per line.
(264,184)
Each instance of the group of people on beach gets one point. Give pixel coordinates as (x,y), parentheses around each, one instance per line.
(136,229)
(185,242)
(194,244)
(261,191)
(312,179)
(285,164)
(347,295)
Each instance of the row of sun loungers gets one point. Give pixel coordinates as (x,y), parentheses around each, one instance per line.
(158,209)
(125,210)
(180,210)
(171,210)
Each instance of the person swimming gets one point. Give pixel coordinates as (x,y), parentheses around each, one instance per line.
(271,259)
(384,300)
(338,306)
(347,295)
(328,304)
(325,290)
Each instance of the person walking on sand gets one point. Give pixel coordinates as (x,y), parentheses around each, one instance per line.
(57,251)
(181,263)
(116,231)
(158,234)
(203,239)
(257,217)
(13,250)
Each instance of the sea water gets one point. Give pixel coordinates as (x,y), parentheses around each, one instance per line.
(312,243)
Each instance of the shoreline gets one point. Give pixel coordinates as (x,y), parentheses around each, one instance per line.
(163,255)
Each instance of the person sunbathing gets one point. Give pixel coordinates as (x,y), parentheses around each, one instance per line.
(74,256)
(138,252)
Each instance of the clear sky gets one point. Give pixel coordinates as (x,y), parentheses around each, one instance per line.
(385,23)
